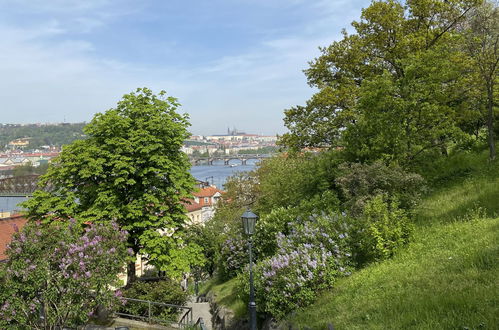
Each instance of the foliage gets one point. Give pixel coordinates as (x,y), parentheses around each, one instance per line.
(286,180)
(307,261)
(63,270)
(184,258)
(393,90)
(482,46)
(29,169)
(281,221)
(269,226)
(163,291)
(360,182)
(205,238)
(131,169)
(233,256)
(260,150)
(241,191)
(381,229)
(446,278)
(42,135)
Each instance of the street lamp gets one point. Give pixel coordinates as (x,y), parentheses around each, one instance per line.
(249,220)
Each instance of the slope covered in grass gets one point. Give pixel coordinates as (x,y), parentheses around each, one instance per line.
(446,278)
(225,293)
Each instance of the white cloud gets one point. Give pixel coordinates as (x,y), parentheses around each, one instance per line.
(48,73)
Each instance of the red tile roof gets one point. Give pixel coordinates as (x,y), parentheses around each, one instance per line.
(192,206)
(7,229)
(207,192)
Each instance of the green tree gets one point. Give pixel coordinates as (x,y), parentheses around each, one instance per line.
(482,45)
(392,89)
(288,180)
(130,169)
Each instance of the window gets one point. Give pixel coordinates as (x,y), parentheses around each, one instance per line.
(206,200)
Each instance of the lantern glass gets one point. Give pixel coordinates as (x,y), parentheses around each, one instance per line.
(249,221)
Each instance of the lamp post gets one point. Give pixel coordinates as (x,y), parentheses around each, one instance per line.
(249,220)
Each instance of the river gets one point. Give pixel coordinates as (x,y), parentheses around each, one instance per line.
(216,174)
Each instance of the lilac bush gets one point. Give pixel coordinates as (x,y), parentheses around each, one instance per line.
(308,260)
(61,272)
(233,256)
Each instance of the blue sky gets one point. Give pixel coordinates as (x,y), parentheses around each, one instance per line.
(229,62)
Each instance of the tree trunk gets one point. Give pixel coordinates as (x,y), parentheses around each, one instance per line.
(130,271)
(490,120)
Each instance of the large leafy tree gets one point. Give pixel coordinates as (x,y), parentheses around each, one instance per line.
(391,90)
(130,169)
(482,45)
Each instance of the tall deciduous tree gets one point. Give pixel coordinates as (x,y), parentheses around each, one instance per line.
(130,169)
(392,89)
(482,44)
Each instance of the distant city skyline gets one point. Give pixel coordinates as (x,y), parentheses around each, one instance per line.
(216,131)
(227,62)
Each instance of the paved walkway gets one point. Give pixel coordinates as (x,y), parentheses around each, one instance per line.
(200,310)
(130,324)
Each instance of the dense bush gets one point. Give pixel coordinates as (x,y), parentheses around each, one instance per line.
(287,180)
(164,291)
(205,238)
(360,182)
(307,261)
(379,231)
(281,220)
(233,256)
(62,269)
(267,228)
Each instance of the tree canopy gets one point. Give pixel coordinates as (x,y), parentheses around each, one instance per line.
(130,169)
(396,89)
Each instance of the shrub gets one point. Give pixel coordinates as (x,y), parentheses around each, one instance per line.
(267,228)
(359,182)
(204,237)
(307,261)
(164,291)
(62,269)
(285,180)
(379,231)
(233,256)
(281,219)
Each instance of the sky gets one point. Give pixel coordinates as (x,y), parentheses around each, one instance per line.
(230,63)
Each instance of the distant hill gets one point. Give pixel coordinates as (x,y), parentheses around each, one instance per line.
(41,135)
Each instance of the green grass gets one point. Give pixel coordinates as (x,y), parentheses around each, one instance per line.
(226,295)
(446,278)
(470,185)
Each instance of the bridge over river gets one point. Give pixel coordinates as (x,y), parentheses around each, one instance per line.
(226,159)
(18,186)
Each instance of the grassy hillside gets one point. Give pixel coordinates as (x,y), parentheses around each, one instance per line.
(447,278)
(39,135)
(225,293)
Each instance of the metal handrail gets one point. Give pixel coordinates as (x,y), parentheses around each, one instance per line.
(187,314)
(184,321)
(201,324)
